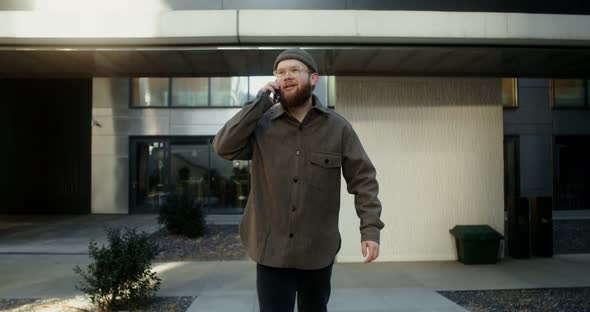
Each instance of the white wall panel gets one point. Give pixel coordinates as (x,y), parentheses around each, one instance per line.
(110,145)
(110,93)
(110,111)
(211,129)
(149,113)
(202,116)
(111,125)
(153,125)
(199,121)
(437,147)
(110,180)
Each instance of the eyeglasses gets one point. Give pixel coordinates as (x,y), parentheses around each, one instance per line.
(291,71)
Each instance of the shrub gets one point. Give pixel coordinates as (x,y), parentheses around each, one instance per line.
(182,215)
(120,276)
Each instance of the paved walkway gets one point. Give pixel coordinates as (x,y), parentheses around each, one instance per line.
(230,285)
(58,234)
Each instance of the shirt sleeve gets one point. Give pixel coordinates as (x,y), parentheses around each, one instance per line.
(360,176)
(234,140)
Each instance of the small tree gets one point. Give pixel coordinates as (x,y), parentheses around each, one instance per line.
(182,215)
(120,276)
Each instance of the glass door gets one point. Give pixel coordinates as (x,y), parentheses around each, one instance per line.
(189,163)
(161,166)
(513,238)
(230,185)
(149,174)
(511,172)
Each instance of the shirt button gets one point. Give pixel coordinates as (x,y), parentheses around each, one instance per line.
(298,153)
(295,179)
(293,208)
(300,128)
(291,235)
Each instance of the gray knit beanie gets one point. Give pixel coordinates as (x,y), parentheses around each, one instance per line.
(297,54)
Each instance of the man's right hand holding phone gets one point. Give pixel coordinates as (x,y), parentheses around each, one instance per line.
(273,88)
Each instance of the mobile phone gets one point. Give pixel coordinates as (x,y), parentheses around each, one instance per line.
(276,95)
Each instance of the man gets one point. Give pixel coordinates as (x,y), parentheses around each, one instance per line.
(298,149)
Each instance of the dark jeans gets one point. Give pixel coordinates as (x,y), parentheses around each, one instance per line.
(277,288)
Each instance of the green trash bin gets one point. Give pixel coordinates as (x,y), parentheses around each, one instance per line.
(476,244)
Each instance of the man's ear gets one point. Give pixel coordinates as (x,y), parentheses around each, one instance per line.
(314,78)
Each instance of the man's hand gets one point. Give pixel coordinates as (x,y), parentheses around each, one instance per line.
(373,248)
(270,87)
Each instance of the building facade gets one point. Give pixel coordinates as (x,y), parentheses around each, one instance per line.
(464,109)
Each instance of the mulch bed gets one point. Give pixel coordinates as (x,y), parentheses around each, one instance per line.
(168,304)
(548,299)
(221,242)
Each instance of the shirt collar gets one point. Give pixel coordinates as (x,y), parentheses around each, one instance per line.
(315,104)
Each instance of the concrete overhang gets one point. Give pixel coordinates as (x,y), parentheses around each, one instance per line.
(332,60)
(245,42)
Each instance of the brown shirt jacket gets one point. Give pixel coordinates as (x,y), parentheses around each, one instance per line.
(291,217)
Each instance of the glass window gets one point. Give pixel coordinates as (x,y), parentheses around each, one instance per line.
(149,92)
(331,91)
(509,92)
(149,177)
(190,92)
(568,93)
(257,82)
(321,90)
(572,172)
(511,172)
(218,91)
(175,165)
(229,91)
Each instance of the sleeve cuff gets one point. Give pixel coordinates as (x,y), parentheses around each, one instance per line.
(371,234)
(265,100)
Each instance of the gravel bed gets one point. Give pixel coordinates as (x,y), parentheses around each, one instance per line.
(221,242)
(79,304)
(547,299)
(571,236)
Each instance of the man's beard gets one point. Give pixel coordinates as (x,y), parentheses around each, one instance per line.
(297,98)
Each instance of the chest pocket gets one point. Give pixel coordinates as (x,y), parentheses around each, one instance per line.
(325,170)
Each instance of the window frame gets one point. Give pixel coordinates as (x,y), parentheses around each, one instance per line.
(330,98)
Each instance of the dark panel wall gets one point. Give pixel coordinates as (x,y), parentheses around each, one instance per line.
(46,141)
(536,124)
(523,6)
